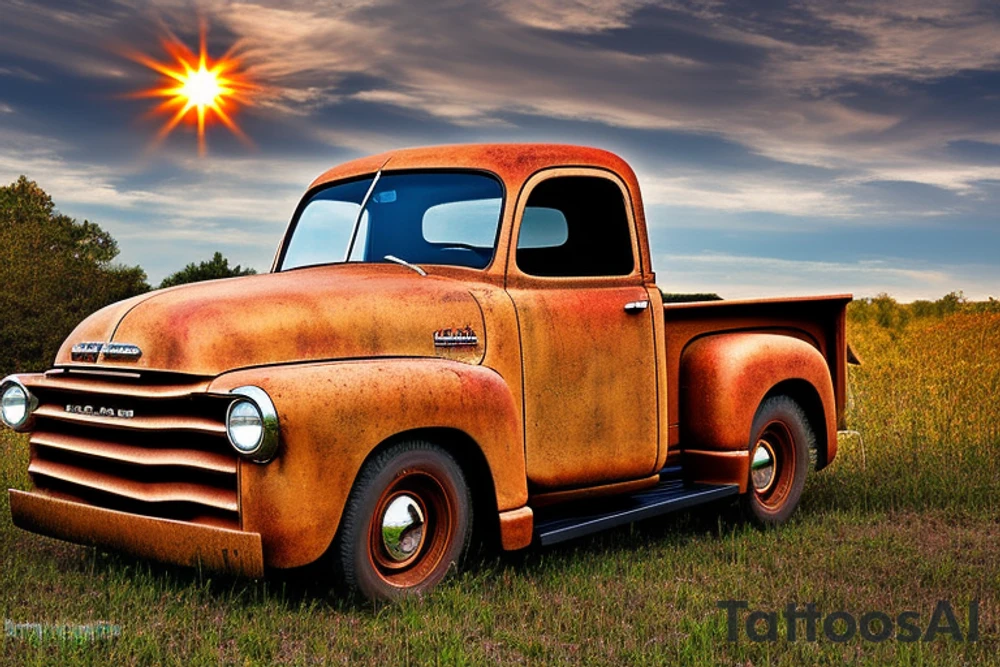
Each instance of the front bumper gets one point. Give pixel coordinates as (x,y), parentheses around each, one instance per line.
(164,540)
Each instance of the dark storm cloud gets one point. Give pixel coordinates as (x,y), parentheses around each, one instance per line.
(751,119)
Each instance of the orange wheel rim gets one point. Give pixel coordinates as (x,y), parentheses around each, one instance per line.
(772,464)
(411,529)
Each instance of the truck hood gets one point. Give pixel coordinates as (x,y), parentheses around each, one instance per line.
(343,311)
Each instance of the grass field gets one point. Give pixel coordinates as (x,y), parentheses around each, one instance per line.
(906,516)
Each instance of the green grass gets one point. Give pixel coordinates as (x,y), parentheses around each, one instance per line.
(905,516)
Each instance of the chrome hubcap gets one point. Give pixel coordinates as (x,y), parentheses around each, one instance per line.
(762,466)
(402,528)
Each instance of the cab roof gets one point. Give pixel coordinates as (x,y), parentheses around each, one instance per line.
(513,163)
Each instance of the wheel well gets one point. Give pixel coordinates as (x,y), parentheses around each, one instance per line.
(808,398)
(472,461)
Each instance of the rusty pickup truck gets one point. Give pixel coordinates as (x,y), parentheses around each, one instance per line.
(449,337)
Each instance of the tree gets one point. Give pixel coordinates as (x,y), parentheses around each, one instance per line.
(54,271)
(217,267)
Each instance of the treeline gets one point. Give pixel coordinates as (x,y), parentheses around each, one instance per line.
(888,313)
(677,297)
(55,271)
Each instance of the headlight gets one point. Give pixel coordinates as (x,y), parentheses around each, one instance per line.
(252,424)
(16,403)
(246,426)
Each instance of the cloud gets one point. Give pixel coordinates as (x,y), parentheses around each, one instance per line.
(739,276)
(475,64)
(20,73)
(583,16)
(908,39)
(225,201)
(750,193)
(836,112)
(59,36)
(960,178)
(39,157)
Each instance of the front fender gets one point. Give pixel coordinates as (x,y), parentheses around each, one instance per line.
(725,377)
(332,415)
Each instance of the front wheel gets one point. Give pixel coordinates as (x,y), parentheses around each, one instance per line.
(780,441)
(406,523)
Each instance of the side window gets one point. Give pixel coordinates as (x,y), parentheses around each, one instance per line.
(575,226)
(464,223)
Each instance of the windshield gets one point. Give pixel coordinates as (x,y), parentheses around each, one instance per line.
(422,218)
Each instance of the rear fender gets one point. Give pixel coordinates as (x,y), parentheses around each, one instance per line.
(333,415)
(725,377)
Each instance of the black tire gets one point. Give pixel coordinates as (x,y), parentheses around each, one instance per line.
(782,432)
(430,484)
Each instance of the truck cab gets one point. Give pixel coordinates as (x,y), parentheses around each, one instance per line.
(448,337)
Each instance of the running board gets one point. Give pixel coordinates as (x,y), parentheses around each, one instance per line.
(566,522)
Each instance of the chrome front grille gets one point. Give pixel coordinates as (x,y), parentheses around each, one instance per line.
(148,444)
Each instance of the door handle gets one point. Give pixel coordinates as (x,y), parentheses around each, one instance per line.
(633,307)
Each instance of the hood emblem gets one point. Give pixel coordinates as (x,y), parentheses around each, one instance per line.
(464,337)
(86,351)
(111,351)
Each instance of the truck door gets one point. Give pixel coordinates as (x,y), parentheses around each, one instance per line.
(587,346)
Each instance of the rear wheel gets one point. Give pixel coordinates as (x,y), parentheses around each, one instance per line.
(780,441)
(406,523)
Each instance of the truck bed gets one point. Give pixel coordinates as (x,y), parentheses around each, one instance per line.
(819,320)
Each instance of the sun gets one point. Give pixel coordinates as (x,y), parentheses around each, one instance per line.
(197,90)
(202,88)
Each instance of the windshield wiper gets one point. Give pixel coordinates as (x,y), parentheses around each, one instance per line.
(397,260)
(361,213)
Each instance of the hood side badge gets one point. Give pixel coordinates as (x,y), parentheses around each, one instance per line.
(464,337)
(122,352)
(90,351)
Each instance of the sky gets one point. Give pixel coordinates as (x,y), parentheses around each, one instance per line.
(783,148)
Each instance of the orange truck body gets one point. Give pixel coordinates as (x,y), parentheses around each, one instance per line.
(564,395)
